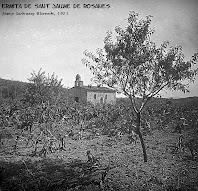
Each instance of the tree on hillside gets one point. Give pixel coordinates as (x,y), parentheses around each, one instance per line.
(11,89)
(42,89)
(134,65)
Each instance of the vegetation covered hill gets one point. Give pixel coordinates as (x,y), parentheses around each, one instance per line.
(159,101)
(10,89)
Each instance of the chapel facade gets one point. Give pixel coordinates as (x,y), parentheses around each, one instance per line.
(93,94)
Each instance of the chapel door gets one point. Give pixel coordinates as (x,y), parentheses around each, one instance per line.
(76,99)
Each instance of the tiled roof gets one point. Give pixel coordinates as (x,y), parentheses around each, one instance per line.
(99,89)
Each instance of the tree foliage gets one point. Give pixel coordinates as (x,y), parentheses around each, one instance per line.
(135,66)
(42,88)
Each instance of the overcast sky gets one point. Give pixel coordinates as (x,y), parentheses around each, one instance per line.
(56,43)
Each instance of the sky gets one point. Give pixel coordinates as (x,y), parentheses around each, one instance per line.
(56,43)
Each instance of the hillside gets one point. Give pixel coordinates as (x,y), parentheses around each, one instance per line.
(158,101)
(5,82)
(12,89)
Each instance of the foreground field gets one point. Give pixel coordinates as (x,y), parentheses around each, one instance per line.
(166,168)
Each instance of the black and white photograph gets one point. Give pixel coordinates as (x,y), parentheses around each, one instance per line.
(98,95)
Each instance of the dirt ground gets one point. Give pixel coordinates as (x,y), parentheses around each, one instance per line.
(165,169)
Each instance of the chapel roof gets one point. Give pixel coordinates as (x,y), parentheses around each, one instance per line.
(91,88)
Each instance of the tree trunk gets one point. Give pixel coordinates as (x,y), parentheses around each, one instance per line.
(140,135)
